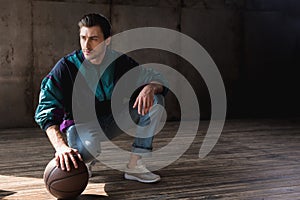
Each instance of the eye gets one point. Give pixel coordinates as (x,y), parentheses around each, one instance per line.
(94,38)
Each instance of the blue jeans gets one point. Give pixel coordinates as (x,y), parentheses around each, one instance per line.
(87,139)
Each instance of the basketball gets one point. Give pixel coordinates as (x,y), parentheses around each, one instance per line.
(66,184)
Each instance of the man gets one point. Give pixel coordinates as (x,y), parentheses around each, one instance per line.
(54,111)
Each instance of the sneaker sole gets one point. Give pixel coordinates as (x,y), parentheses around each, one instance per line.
(133,178)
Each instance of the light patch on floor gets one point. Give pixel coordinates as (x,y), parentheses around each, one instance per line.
(25,188)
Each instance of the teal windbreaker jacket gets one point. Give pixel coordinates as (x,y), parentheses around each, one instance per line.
(55,99)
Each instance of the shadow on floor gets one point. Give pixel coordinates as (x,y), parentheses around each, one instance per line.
(4,193)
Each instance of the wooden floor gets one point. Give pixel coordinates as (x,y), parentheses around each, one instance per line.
(253,159)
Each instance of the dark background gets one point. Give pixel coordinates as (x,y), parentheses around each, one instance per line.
(254,43)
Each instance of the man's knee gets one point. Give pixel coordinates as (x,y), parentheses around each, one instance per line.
(87,144)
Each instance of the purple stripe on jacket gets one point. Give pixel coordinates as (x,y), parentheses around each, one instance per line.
(54,82)
(65,125)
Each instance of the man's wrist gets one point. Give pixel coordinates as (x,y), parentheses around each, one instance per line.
(56,138)
(157,88)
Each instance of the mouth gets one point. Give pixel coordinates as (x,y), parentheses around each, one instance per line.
(87,51)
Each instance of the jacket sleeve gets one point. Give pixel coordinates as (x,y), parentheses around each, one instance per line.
(142,76)
(147,75)
(50,107)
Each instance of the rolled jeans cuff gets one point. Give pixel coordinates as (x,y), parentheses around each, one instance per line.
(141,151)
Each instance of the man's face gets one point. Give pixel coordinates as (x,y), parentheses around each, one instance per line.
(92,43)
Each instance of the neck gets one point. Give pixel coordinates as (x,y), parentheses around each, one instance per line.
(98,60)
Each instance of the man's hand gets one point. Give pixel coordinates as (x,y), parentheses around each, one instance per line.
(145,99)
(64,154)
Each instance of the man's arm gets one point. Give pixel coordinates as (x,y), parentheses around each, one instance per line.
(145,99)
(157,87)
(63,151)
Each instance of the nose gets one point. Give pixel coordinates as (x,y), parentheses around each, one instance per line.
(87,43)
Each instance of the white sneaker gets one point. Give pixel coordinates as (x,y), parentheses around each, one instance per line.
(141,173)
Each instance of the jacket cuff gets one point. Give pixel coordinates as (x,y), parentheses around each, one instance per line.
(48,124)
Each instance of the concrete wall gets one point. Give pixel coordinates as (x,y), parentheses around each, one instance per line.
(253,42)
(16,63)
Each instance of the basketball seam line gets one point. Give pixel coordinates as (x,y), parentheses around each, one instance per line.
(63,178)
(49,177)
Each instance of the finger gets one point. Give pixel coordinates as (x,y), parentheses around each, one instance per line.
(78,155)
(73,161)
(62,163)
(67,162)
(143,106)
(57,160)
(135,103)
(146,108)
(151,103)
(145,111)
(140,107)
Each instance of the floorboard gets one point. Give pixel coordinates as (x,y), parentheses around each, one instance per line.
(253,159)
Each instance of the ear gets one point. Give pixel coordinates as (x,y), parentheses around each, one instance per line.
(107,41)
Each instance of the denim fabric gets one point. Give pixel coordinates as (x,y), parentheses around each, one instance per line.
(87,138)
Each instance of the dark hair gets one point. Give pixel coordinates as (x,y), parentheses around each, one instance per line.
(93,19)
